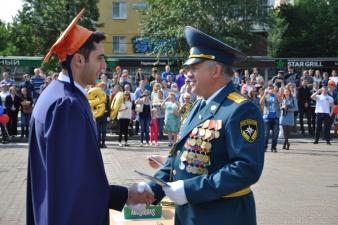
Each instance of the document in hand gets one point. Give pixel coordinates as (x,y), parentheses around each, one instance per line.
(154,179)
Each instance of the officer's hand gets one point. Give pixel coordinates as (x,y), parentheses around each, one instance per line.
(176,192)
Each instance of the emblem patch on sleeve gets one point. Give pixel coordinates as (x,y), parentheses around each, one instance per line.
(249,130)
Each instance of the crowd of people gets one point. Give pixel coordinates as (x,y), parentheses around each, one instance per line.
(158,103)
(19,99)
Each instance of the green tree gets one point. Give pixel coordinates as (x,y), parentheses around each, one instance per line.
(231,21)
(309,28)
(6,47)
(40,22)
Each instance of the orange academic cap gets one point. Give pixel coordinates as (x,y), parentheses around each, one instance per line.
(70,40)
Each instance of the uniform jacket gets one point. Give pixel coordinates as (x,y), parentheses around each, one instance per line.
(66,182)
(236,162)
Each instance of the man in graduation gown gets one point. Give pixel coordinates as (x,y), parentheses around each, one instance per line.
(66,181)
(220,150)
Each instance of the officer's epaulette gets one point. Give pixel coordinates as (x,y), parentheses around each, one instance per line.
(236,97)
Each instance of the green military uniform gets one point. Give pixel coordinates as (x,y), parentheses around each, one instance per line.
(219,153)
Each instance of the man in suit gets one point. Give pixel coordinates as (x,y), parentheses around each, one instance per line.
(66,182)
(12,104)
(220,150)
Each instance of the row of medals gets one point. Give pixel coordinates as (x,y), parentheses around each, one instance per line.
(198,147)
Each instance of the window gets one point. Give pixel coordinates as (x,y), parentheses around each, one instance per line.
(119,10)
(139,5)
(119,44)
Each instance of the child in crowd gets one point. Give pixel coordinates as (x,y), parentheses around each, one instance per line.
(153,128)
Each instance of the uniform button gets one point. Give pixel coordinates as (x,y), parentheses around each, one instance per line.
(178,152)
(174,172)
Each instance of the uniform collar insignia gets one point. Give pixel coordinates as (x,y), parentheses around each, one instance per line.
(207,112)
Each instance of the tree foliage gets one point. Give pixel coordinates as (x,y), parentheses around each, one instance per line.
(231,21)
(40,22)
(4,39)
(309,28)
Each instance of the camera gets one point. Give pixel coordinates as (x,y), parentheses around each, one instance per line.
(284,111)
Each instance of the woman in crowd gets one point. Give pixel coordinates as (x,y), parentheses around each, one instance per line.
(188,90)
(118,72)
(287,116)
(153,74)
(185,107)
(113,91)
(160,112)
(124,116)
(165,89)
(12,104)
(47,81)
(153,128)
(107,83)
(172,119)
(317,77)
(253,97)
(177,93)
(26,111)
(156,88)
(184,88)
(293,92)
(144,116)
(248,86)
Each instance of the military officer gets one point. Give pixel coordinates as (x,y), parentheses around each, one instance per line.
(220,150)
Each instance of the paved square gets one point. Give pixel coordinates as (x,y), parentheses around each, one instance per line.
(299,186)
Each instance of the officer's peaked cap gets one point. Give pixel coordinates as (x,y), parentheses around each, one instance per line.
(204,47)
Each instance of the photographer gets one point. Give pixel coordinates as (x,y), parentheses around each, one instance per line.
(271,113)
(323,104)
(279,80)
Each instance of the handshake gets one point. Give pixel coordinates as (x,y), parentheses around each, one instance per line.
(139,196)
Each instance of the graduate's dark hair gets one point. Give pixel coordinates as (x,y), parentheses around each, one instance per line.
(88,46)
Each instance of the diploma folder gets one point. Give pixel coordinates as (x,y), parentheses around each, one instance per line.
(153,179)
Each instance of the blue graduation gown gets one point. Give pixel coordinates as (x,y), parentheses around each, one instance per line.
(236,157)
(66,182)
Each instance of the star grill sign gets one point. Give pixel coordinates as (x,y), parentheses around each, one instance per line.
(249,130)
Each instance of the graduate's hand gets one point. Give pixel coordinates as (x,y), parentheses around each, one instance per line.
(176,192)
(140,195)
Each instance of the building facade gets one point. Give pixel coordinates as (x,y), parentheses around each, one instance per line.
(119,20)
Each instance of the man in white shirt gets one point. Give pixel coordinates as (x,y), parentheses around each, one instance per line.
(324,104)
